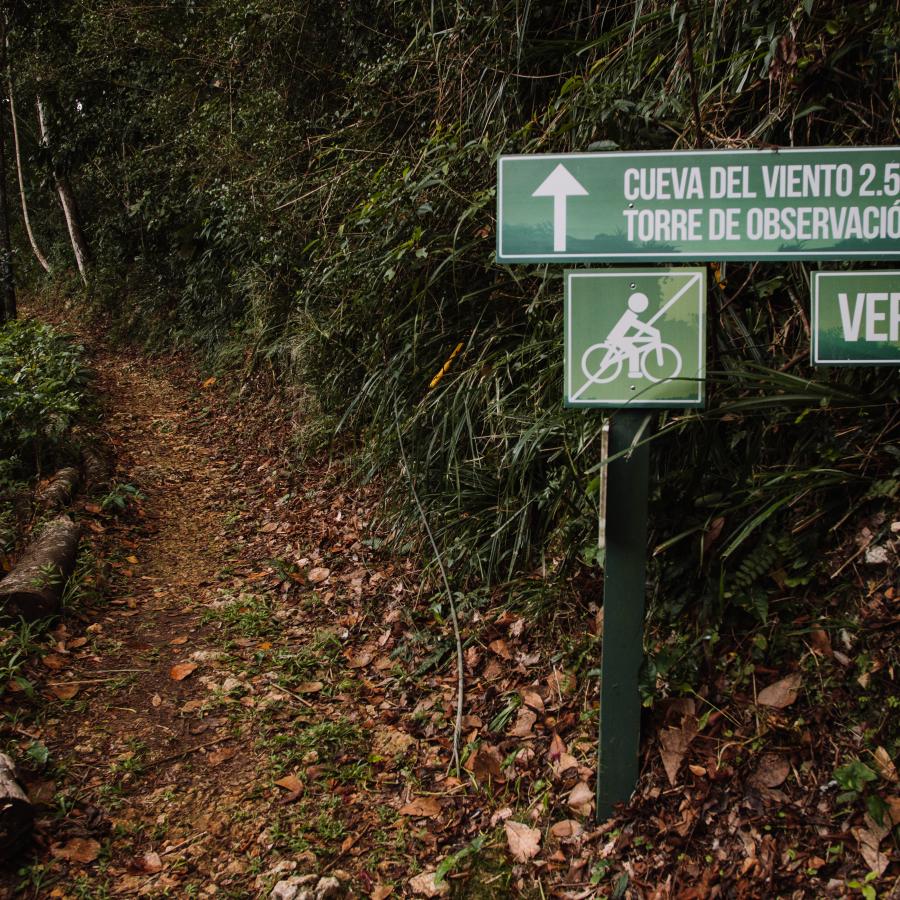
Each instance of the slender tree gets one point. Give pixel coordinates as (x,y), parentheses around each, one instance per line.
(7,282)
(67,201)
(24,203)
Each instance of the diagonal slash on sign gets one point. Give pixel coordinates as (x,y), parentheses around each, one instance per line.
(694,279)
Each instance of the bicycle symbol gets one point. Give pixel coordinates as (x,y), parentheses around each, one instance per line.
(657,360)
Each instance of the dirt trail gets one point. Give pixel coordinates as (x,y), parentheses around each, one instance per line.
(186,686)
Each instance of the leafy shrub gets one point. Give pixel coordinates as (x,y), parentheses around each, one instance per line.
(42,385)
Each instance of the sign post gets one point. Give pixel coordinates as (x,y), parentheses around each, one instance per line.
(635,339)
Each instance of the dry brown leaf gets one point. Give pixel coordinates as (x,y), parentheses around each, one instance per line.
(82,850)
(217,757)
(156,700)
(713,533)
(308,687)
(870,838)
(581,798)
(424,885)
(782,693)
(269,527)
(820,640)
(499,647)
(699,771)
(422,808)
(133,560)
(54,661)
(361,660)
(565,762)
(209,382)
(533,699)
(773,768)
(673,744)
(290,783)
(485,763)
(524,842)
(381,891)
(181,671)
(885,765)
(318,575)
(557,748)
(524,723)
(64,691)
(151,862)
(75,643)
(561,684)
(567,828)
(179,640)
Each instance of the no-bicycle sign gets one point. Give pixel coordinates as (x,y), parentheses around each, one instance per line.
(828,203)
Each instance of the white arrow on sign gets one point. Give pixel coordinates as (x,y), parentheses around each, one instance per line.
(559,185)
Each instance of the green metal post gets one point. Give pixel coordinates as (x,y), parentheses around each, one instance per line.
(624,588)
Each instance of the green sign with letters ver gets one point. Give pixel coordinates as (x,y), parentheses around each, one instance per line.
(856,318)
(827,203)
(635,338)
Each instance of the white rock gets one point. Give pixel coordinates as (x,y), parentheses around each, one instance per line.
(329,888)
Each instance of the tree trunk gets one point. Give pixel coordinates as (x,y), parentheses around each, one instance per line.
(7,283)
(33,590)
(16,811)
(60,489)
(67,201)
(15,133)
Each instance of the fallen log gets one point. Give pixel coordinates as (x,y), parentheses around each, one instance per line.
(16,811)
(33,589)
(96,467)
(58,492)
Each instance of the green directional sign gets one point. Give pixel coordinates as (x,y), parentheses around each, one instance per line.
(856,318)
(635,338)
(824,203)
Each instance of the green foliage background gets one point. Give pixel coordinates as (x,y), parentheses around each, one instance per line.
(312,186)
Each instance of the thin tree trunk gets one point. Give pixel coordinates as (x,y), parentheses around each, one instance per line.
(15,132)
(67,201)
(7,282)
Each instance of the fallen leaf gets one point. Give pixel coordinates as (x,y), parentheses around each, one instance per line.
(581,798)
(524,842)
(54,661)
(181,671)
(156,700)
(499,647)
(318,575)
(561,684)
(217,757)
(391,743)
(381,891)
(820,640)
(209,382)
(534,700)
(673,744)
(151,862)
(290,783)
(713,533)
(565,762)
(422,807)
(485,763)
(424,885)
(293,785)
(75,643)
(567,828)
(885,765)
(773,768)
(557,748)
(501,815)
(64,691)
(269,527)
(699,771)
(524,723)
(308,687)
(93,508)
(870,838)
(782,693)
(83,850)
(132,559)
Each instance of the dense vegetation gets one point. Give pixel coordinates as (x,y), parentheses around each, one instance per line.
(311,187)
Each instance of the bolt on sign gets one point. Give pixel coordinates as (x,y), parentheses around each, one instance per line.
(855,318)
(635,338)
(827,203)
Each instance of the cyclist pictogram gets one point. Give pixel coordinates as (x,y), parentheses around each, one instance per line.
(624,348)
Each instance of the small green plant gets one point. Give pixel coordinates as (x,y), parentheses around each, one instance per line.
(120,497)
